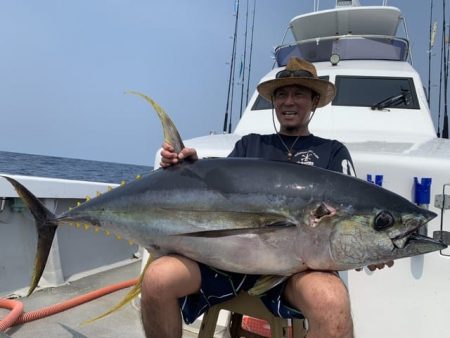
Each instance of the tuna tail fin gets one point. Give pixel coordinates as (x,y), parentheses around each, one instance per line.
(171,134)
(134,292)
(45,225)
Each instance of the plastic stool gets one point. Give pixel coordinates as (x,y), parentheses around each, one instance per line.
(244,304)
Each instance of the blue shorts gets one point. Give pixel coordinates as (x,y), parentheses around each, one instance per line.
(218,286)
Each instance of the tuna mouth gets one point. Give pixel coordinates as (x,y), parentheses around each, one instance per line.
(417,241)
(412,224)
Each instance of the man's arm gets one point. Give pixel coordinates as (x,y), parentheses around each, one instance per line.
(341,161)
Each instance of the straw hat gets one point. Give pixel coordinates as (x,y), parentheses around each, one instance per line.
(299,72)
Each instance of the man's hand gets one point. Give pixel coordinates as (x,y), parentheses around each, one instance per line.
(169,157)
(380,266)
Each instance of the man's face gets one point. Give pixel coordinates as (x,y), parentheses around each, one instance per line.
(293,105)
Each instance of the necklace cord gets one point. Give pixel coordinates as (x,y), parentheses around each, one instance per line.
(289,150)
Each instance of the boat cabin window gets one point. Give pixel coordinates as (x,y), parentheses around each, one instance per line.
(261,103)
(375,92)
(347,47)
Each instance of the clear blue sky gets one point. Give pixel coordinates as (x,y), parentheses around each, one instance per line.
(65,66)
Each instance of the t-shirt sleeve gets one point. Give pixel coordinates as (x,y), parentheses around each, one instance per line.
(341,161)
(240,148)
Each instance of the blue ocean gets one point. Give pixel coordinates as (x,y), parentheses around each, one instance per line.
(69,168)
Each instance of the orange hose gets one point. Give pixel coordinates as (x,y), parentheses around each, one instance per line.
(16,308)
(56,308)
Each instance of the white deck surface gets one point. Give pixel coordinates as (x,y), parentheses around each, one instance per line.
(123,323)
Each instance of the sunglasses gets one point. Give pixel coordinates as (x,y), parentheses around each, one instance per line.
(293,73)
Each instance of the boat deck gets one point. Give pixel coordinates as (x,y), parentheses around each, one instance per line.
(68,324)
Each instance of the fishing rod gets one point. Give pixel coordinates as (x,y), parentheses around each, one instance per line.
(446,51)
(233,67)
(229,105)
(251,51)
(243,63)
(441,71)
(430,45)
(446,74)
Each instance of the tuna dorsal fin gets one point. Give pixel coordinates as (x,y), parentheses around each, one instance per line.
(171,135)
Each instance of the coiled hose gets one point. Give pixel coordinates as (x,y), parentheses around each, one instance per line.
(16,316)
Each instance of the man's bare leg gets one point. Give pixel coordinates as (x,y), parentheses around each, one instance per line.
(167,279)
(323,299)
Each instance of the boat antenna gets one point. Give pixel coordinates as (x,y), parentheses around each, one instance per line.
(251,51)
(243,63)
(229,105)
(430,45)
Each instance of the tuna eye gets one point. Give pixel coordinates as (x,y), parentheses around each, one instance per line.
(383,220)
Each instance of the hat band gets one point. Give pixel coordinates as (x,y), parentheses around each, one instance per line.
(293,73)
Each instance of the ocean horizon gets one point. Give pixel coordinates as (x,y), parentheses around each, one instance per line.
(69,168)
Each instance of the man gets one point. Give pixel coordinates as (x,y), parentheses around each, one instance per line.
(174,282)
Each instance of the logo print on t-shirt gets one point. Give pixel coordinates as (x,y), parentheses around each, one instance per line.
(347,168)
(306,157)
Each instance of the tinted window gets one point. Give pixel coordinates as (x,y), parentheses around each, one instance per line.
(261,103)
(370,91)
(347,47)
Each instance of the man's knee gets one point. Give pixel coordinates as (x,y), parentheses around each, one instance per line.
(317,290)
(171,276)
(324,300)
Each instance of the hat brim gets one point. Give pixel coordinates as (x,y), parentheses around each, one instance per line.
(324,88)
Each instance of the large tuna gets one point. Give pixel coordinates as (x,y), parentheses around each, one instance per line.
(249,215)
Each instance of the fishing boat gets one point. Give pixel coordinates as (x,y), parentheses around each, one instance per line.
(381,114)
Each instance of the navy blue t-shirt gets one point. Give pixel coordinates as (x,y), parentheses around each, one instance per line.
(309,150)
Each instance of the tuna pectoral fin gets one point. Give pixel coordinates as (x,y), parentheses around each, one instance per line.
(240,231)
(46,228)
(266,283)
